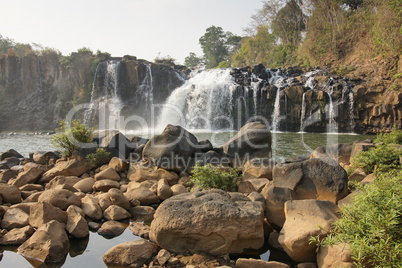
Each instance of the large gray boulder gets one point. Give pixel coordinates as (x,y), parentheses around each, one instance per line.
(317,178)
(172,149)
(252,141)
(306,219)
(48,244)
(208,221)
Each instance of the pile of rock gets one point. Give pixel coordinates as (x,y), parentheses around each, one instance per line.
(45,200)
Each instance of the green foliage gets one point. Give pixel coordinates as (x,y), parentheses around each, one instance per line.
(168,60)
(12,48)
(372,223)
(99,157)
(68,138)
(385,156)
(85,50)
(216,45)
(192,61)
(223,64)
(219,177)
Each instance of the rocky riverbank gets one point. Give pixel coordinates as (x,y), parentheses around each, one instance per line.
(48,199)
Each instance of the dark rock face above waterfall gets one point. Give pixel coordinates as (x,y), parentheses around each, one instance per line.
(36,92)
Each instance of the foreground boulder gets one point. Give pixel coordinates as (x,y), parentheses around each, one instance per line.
(317,178)
(133,254)
(208,221)
(16,236)
(339,152)
(338,255)
(43,212)
(252,141)
(306,219)
(48,244)
(172,149)
(60,198)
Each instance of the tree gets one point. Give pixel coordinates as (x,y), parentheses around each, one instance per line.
(192,61)
(217,44)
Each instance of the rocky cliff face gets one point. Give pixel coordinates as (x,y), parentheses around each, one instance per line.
(36,92)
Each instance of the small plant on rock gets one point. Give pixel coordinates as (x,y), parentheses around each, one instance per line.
(98,158)
(218,177)
(68,138)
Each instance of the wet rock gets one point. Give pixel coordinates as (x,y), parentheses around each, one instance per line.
(60,198)
(211,221)
(305,219)
(49,243)
(43,212)
(142,212)
(10,162)
(10,153)
(116,213)
(116,140)
(134,254)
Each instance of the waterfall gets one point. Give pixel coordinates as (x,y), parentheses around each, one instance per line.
(351,112)
(106,103)
(205,101)
(146,92)
(277,112)
(332,125)
(303,112)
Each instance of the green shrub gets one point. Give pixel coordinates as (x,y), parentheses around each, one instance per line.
(67,138)
(219,177)
(372,223)
(385,156)
(98,158)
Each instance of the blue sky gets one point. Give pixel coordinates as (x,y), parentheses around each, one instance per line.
(143,28)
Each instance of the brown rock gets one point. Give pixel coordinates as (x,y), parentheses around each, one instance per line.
(10,193)
(140,229)
(338,255)
(85,185)
(118,164)
(60,198)
(116,213)
(62,180)
(140,173)
(258,168)
(163,190)
(43,212)
(91,208)
(106,185)
(76,225)
(111,229)
(143,195)
(14,218)
(49,243)
(66,168)
(142,212)
(117,198)
(16,236)
(357,175)
(107,174)
(32,187)
(339,152)
(178,189)
(305,219)
(245,187)
(253,263)
(276,197)
(7,174)
(134,254)
(26,177)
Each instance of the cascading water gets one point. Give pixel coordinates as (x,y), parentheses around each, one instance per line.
(205,101)
(106,103)
(332,125)
(278,81)
(146,91)
(303,112)
(351,112)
